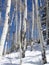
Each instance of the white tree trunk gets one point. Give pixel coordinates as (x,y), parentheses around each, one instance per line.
(32,41)
(24,29)
(16,23)
(47,20)
(40,34)
(28,25)
(24,22)
(20,34)
(5,29)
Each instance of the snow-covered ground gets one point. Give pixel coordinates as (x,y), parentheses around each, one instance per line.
(31,57)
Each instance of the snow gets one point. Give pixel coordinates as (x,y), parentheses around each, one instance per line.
(31,57)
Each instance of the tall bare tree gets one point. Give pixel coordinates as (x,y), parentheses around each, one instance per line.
(16,22)
(20,34)
(5,29)
(40,34)
(24,27)
(32,41)
(47,21)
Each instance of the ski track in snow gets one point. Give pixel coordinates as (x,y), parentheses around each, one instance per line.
(31,57)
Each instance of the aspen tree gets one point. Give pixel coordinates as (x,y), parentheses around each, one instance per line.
(40,34)
(32,24)
(15,44)
(20,35)
(5,29)
(16,22)
(24,26)
(47,21)
(27,25)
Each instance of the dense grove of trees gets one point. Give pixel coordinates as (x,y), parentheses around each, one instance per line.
(19,36)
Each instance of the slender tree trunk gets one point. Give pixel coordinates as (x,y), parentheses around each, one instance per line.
(40,34)
(24,26)
(47,21)
(16,23)
(5,29)
(28,25)
(32,41)
(20,35)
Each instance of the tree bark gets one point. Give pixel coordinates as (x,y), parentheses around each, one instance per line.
(32,41)
(5,29)
(40,34)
